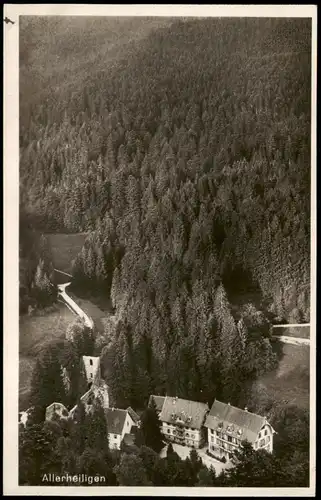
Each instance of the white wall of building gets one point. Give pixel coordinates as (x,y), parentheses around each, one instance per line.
(265,439)
(116,439)
(192,437)
(221,447)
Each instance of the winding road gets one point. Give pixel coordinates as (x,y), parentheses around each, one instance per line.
(71,304)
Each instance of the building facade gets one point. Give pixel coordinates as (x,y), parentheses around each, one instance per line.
(56,410)
(119,424)
(227,426)
(97,389)
(182,421)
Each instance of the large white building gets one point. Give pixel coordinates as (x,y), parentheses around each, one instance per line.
(182,421)
(227,426)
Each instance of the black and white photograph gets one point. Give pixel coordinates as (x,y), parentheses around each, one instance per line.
(165,323)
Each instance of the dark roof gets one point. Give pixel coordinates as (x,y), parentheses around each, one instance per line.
(129,439)
(158,400)
(240,423)
(115,420)
(190,413)
(133,414)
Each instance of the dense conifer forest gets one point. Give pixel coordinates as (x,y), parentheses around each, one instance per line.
(182,147)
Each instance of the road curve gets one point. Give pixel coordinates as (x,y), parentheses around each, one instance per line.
(72,305)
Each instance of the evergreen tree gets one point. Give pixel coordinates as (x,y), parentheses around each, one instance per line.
(206,477)
(96,428)
(47,382)
(131,472)
(150,429)
(79,429)
(37,454)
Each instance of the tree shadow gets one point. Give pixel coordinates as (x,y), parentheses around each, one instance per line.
(242,288)
(278,349)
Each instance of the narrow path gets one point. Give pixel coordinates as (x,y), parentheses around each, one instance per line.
(62,272)
(294,325)
(292,340)
(72,305)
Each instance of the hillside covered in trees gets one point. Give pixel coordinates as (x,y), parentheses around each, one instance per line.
(182,148)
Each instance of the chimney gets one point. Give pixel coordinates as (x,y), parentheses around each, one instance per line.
(112,409)
(229,404)
(245,409)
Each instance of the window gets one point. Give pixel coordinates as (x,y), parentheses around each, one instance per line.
(91,375)
(259,434)
(91,362)
(262,442)
(268,439)
(187,435)
(265,432)
(127,423)
(168,431)
(229,438)
(192,436)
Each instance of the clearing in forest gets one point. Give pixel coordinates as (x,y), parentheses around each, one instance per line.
(35,333)
(291,380)
(65,248)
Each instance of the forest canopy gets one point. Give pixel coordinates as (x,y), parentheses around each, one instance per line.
(184,152)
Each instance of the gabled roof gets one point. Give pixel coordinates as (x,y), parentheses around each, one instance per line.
(56,409)
(115,420)
(92,368)
(239,423)
(158,400)
(133,415)
(189,413)
(56,406)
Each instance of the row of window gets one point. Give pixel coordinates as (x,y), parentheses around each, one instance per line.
(192,436)
(186,442)
(231,439)
(186,428)
(261,433)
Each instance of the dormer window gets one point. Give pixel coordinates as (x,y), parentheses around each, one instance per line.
(91,362)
